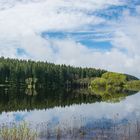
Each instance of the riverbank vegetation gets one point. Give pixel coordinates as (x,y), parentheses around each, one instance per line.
(17,132)
(97,130)
(111,82)
(133,85)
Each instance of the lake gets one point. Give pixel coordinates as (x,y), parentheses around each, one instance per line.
(72,114)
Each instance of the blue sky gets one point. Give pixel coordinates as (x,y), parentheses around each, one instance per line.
(88,33)
(85,38)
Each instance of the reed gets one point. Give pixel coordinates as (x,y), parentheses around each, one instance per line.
(17,132)
(129,130)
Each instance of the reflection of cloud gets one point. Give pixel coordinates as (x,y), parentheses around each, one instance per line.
(77,115)
(12,117)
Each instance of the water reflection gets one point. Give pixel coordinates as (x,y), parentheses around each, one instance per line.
(13,98)
(69,110)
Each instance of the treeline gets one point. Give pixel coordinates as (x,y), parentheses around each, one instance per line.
(14,71)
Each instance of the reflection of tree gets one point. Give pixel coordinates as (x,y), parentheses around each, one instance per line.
(113,97)
(30,91)
(19,99)
(111,93)
(31,86)
(31,82)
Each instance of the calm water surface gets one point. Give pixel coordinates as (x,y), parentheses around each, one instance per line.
(70,113)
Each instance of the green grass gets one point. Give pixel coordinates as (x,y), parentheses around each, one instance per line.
(17,132)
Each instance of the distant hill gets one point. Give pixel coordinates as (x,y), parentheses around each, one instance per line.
(130,77)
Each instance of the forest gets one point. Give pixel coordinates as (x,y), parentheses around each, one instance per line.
(14,72)
(37,74)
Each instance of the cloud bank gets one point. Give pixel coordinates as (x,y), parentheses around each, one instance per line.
(113,22)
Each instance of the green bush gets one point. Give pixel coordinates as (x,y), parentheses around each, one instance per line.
(133,85)
(109,83)
(115,79)
(99,83)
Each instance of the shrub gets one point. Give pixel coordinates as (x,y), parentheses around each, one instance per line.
(115,79)
(133,85)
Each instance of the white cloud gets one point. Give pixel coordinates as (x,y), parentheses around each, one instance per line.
(24,22)
(127,38)
(21,23)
